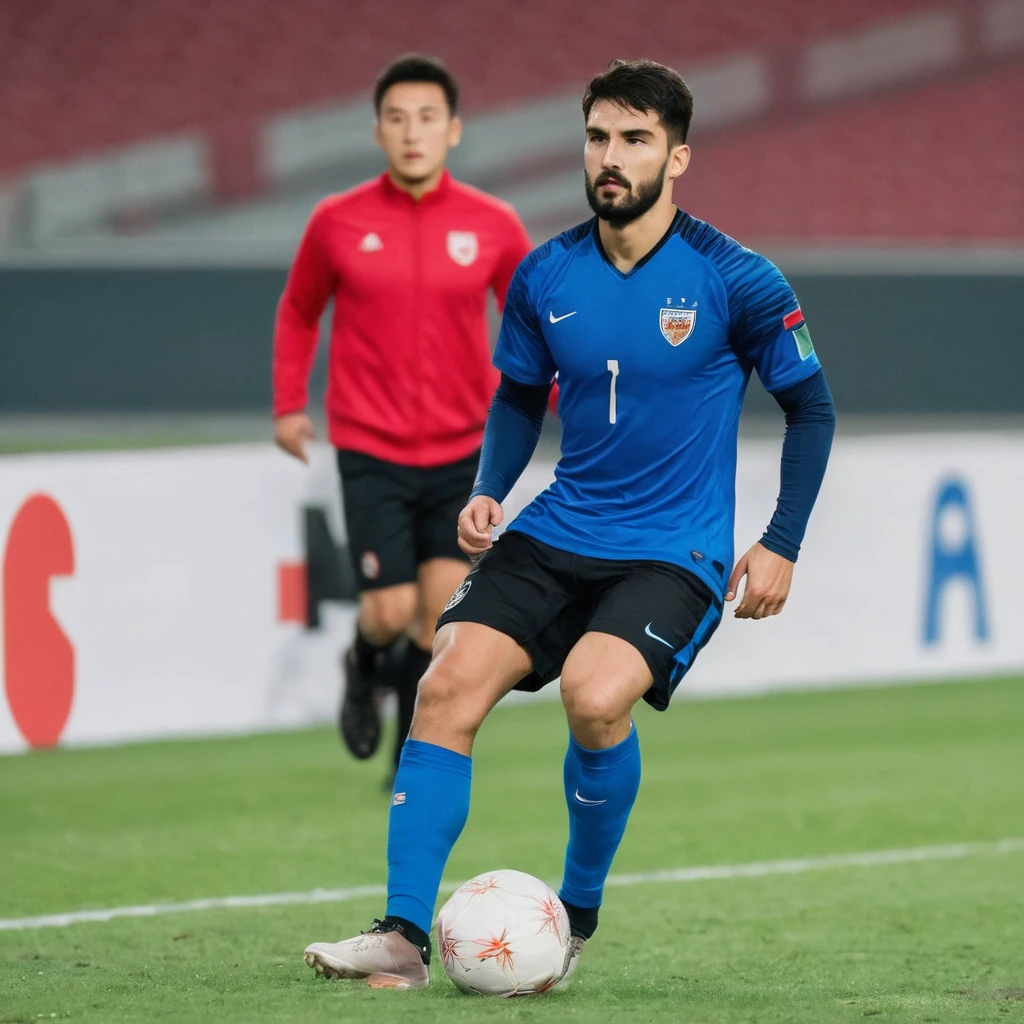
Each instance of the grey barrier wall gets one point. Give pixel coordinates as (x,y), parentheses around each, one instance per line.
(82,340)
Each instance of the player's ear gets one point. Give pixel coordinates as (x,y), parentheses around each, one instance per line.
(376,133)
(455,131)
(678,160)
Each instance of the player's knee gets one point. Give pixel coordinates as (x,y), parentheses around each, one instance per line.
(438,691)
(588,706)
(446,700)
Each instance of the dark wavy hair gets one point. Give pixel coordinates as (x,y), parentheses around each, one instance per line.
(645,85)
(415,67)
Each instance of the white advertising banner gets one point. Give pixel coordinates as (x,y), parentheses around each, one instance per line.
(165,593)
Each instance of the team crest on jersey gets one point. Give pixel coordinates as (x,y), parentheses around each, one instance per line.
(677,325)
(463,247)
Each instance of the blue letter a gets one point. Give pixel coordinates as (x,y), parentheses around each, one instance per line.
(950,563)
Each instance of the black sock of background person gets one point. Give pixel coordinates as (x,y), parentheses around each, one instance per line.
(368,655)
(407,678)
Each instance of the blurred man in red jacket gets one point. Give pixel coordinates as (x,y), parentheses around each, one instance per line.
(408,259)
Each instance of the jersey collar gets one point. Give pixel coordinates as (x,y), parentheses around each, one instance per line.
(396,195)
(677,220)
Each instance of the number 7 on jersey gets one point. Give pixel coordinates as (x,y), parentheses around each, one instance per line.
(613,369)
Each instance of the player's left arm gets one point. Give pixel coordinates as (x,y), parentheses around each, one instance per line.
(768,565)
(775,338)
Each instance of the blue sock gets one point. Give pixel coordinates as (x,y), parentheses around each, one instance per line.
(600,788)
(429,808)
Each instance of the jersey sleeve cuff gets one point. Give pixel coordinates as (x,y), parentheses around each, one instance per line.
(520,374)
(801,373)
(779,548)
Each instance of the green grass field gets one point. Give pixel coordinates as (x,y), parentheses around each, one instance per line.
(726,782)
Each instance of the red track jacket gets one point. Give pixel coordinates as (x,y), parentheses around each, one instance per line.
(410,376)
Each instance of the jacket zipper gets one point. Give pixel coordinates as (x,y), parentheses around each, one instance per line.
(417,366)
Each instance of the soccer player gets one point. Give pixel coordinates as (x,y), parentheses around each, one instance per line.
(408,259)
(615,576)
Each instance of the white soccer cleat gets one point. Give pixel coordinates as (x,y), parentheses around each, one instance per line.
(572,961)
(383,956)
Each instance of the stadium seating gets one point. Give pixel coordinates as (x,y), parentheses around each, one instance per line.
(78,77)
(933,163)
(175,101)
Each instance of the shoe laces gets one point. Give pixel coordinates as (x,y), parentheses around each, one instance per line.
(383,927)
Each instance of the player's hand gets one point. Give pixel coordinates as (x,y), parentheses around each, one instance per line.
(476,522)
(769,577)
(292,432)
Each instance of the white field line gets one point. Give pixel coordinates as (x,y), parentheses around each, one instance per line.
(715,872)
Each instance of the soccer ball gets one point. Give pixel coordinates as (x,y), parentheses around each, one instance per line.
(504,933)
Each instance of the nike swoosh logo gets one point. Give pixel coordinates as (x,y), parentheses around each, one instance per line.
(554,319)
(654,636)
(584,800)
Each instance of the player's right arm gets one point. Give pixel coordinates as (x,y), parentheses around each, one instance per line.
(513,428)
(516,415)
(311,282)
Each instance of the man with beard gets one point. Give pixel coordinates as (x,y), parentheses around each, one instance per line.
(408,259)
(614,577)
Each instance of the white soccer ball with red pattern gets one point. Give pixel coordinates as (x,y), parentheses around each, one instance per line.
(503,933)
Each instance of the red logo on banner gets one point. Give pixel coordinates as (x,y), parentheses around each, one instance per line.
(39,660)
(291,592)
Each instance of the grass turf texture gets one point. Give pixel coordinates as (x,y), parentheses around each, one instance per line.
(792,775)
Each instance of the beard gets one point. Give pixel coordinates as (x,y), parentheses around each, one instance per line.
(623,210)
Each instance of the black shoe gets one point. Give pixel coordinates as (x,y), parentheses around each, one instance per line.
(359,721)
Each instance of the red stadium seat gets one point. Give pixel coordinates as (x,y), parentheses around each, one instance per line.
(931,164)
(78,77)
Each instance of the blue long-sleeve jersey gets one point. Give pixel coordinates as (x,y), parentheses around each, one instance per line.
(652,368)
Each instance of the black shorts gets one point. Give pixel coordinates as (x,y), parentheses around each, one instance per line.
(546,598)
(398,517)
